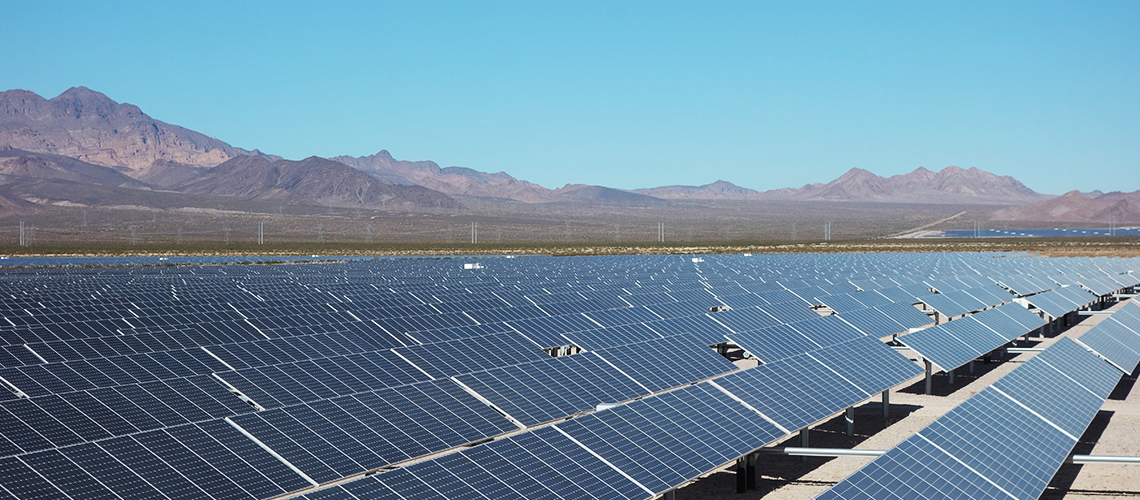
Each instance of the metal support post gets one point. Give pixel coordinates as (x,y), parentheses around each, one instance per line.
(971,366)
(804,433)
(950,375)
(669,495)
(741,476)
(929,370)
(849,416)
(886,404)
(750,470)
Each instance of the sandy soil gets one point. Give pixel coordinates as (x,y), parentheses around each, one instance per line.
(1114,431)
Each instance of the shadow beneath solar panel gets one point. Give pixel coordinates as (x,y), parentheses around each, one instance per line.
(940,382)
(1063,480)
(775,471)
(1124,387)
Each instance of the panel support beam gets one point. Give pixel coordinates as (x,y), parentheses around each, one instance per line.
(848,452)
(820,452)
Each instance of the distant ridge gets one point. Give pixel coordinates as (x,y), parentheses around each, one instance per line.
(715,191)
(21,163)
(312,181)
(450,180)
(1074,206)
(951,185)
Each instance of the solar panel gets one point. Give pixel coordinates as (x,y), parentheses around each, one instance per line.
(945,305)
(905,314)
(842,302)
(873,322)
(800,390)
(774,343)
(958,342)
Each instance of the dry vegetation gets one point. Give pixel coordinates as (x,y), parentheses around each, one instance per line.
(515,228)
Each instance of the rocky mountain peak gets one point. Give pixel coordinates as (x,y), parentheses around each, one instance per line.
(84,124)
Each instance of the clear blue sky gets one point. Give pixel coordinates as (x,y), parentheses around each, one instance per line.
(624,94)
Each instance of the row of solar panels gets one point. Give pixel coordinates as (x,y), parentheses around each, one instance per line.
(276,287)
(324,438)
(1059,302)
(1005,442)
(958,342)
(1117,338)
(646,447)
(627,316)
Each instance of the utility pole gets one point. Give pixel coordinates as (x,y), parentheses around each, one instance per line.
(261,233)
(134,235)
(23,242)
(661,232)
(474,233)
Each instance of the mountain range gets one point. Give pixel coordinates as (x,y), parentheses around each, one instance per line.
(84,136)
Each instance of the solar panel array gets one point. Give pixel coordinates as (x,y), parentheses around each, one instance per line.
(958,342)
(1005,442)
(257,381)
(1117,338)
(649,446)
(1059,302)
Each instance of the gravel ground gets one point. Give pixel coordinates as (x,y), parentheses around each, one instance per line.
(1114,431)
